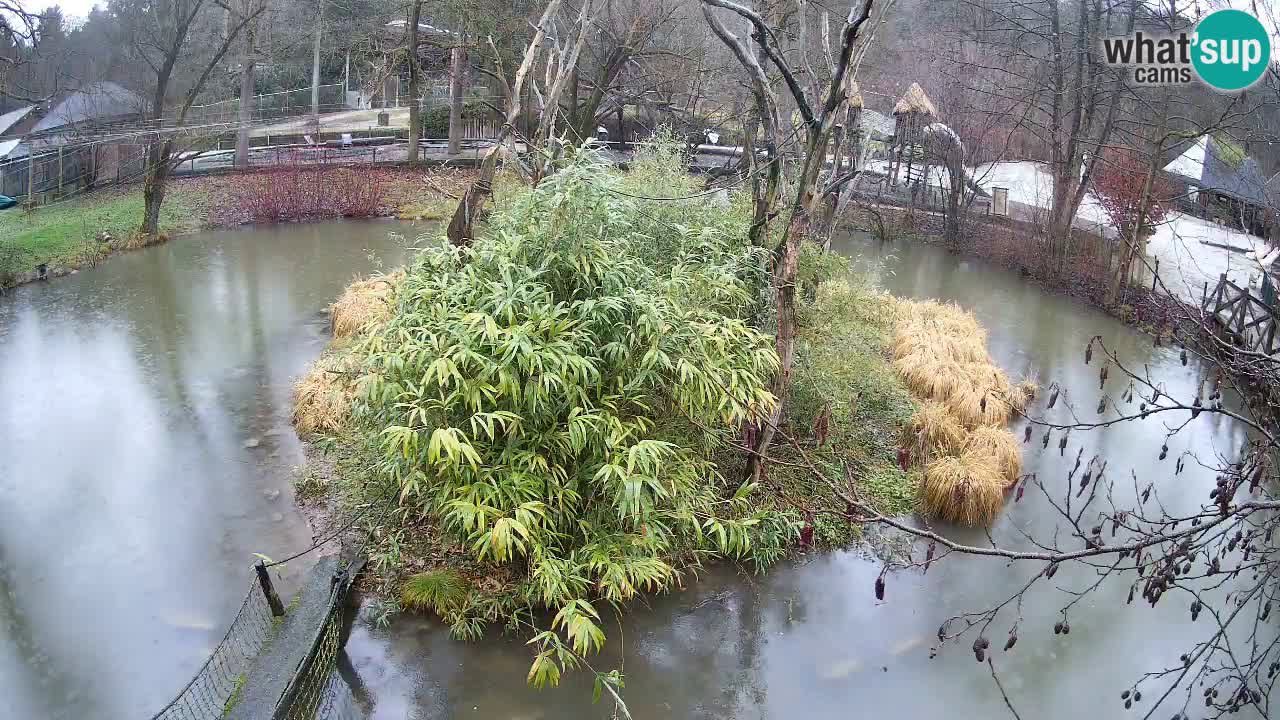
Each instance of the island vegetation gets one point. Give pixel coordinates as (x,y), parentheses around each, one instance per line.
(559,416)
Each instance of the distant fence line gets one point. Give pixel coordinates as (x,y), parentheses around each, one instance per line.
(287,103)
(54,173)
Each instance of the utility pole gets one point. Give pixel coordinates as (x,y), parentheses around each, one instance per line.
(248,63)
(415,89)
(315,68)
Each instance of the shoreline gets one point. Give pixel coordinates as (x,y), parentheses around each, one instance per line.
(209,203)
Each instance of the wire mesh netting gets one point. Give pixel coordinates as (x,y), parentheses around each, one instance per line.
(319,691)
(210,692)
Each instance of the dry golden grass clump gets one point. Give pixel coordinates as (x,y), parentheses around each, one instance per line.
(364,302)
(998,445)
(961,489)
(322,399)
(970,458)
(934,432)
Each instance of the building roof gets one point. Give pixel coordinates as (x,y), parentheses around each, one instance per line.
(1209,165)
(424,28)
(915,101)
(13,117)
(878,126)
(7,148)
(95,101)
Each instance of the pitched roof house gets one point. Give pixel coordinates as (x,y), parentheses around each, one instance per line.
(94,104)
(1222,183)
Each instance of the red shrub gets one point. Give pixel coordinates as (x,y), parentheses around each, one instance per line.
(1118,184)
(292,193)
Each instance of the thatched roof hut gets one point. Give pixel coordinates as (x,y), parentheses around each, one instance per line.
(915,102)
(855,93)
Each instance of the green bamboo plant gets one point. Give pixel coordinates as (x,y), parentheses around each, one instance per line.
(551,394)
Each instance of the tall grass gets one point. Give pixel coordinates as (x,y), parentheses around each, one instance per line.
(968,455)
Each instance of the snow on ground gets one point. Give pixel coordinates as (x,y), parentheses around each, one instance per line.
(1030,184)
(1187,263)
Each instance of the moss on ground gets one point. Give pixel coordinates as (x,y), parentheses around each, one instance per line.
(842,366)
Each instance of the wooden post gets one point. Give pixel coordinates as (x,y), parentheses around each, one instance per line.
(31,176)
(1155,277)
(264,580)
(60,173)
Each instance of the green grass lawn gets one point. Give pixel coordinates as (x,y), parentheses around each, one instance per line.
(61,234)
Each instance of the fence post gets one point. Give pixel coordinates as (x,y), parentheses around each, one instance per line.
(264,579)
(60,174)
(31,176)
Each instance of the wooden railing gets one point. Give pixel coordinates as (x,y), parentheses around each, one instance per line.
(1252,321)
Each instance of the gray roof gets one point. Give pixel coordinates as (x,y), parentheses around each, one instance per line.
(96,101)
(878,126)
(13,117)
(1244,182)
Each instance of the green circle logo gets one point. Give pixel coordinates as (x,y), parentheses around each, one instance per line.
(1232,50)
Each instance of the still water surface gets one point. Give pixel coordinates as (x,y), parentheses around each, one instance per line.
(145,454)
(808,639)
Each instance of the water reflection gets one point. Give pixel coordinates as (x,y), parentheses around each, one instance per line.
(809,639)
(145,454)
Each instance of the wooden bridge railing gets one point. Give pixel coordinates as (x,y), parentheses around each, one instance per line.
(1246,316)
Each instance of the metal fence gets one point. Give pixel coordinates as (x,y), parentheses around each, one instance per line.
(318,691)
(315,690)
(214,686)
(54,174)
(284,104)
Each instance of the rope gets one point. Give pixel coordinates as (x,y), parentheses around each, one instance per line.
(351,523)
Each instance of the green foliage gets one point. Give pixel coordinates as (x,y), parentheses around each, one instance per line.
(550,393)
(817,266)
(660,170)
(441,591)
(1228,150)
(842,366)
(62,234)
(435,121)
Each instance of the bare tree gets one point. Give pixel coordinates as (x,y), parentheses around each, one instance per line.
(415,77)
(19,40)
(461,225)
(248,68)
(818,113)
(162,34)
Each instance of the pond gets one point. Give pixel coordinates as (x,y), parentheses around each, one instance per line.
(146,453)
(808,639)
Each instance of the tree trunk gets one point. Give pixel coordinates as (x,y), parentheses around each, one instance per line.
(153,188)
(457,71)
(786,262)
(247,65)
(415,102)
